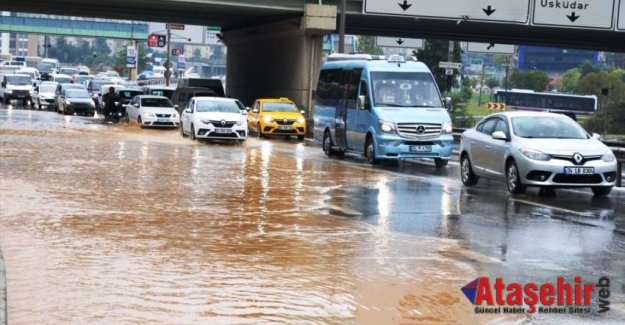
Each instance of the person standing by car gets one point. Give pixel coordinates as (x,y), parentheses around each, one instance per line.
(110,100)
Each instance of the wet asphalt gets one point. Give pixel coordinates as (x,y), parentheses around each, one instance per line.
(112,223)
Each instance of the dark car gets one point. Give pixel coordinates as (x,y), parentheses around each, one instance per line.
(196,87)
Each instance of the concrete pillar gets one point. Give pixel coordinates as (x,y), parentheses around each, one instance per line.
(280,59)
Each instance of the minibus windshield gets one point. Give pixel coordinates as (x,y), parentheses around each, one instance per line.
(404,89)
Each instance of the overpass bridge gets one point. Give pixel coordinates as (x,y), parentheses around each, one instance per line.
(40,24)
(267,36)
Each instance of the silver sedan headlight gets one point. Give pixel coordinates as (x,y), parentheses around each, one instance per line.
(608,157)
(535,154)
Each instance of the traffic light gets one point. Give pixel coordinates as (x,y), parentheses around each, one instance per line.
(156,40)
(176,51)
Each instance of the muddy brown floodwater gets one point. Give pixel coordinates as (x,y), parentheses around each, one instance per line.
(119,225)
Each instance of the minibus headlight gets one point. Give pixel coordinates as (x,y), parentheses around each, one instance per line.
(387,126)
(447,129)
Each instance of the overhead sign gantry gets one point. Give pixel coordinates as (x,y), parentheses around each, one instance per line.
(507,11)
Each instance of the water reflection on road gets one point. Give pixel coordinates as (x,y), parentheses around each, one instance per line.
(116,224)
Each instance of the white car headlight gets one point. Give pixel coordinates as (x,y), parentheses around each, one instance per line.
(608,157)
(446,128)
(239,123)
(148,114)
(301,120)
(535,154)
(387,126)
(205,121)
(9,91)
(68,102)
(175,115)
(92,104)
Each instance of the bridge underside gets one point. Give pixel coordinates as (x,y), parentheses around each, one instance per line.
(237,14)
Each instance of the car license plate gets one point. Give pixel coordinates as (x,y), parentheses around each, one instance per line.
(579,170)
(162,120)
(222,130)
(422,148)
(284,127)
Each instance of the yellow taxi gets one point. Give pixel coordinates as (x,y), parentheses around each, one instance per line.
(276,116)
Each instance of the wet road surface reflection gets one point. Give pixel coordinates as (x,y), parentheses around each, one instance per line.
(116,224)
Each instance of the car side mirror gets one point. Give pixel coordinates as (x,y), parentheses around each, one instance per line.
(243,112)
(135,105)
(596,136)
(255,110)
(188,110)
(247,108)
(499,135)
(360,103)
(302,111)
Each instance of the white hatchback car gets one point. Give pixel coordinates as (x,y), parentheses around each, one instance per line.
(213,118)
(149,110)
(536,149)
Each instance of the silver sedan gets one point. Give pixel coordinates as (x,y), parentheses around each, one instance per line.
(536,149)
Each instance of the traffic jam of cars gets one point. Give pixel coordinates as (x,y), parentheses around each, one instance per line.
(400,117)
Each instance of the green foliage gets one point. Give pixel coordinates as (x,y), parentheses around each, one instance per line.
(534,80)
(82,53)
(569,80)
(435,51)
(587,67)
(610,116)
(492,82)
(366,44)
(460,117)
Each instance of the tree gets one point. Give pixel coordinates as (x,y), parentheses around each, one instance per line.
(197,55)
(492,82)
(570,79)
(366,44)
(534,80)
(610,115)
(587,67)
(435,51)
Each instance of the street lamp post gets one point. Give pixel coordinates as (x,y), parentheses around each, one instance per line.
(507,66)
(167,62)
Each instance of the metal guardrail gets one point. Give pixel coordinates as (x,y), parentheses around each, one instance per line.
(618,148)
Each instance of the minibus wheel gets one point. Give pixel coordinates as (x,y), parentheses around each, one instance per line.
(370,152)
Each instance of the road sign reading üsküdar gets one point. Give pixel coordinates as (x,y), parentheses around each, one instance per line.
(413,43)
(597,14)
(490,48)
(511,11)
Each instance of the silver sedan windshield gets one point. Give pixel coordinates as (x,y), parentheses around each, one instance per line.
(547,128)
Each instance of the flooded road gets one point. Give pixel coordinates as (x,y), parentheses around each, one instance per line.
(115,224)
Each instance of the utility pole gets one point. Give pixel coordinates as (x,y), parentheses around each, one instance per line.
(167,62)
(342,28)
(450,55)
(479,100)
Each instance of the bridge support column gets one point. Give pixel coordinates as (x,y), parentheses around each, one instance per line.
(280,59)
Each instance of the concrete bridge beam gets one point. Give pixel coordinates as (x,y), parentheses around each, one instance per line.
(280,59)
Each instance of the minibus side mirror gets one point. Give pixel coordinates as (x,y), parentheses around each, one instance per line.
(361,102)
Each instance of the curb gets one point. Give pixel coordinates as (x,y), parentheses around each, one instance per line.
(3,292)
